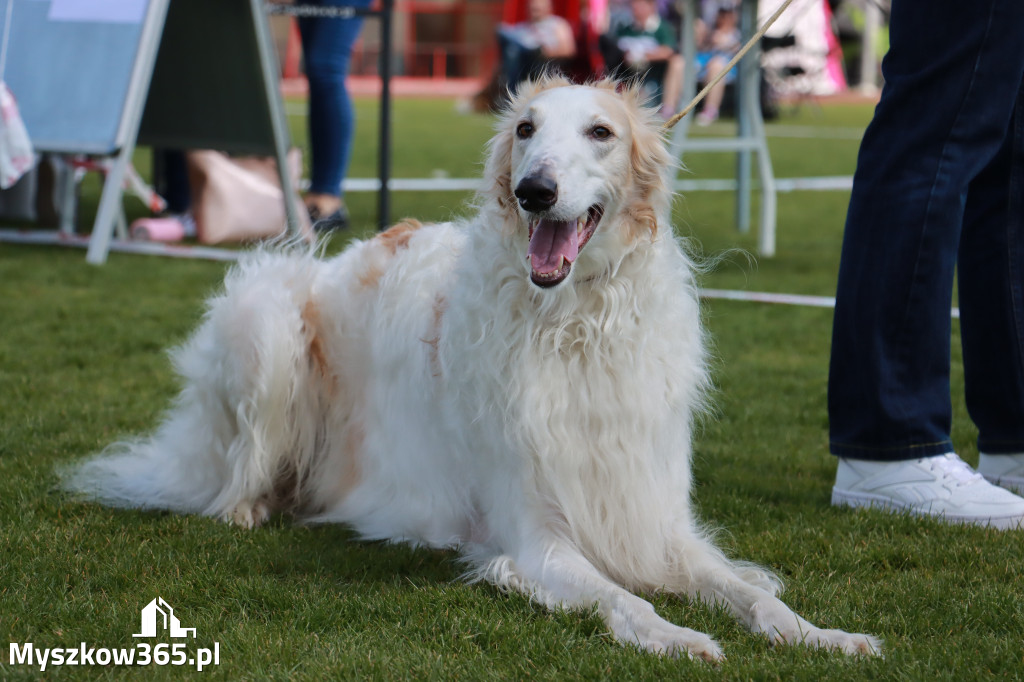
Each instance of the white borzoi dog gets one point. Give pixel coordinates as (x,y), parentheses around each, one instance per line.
(521,385)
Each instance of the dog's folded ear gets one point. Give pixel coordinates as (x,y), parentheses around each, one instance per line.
(649,193)
(649,156)
(498,170)
(650,161)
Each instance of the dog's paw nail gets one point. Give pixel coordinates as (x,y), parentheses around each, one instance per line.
(249,515)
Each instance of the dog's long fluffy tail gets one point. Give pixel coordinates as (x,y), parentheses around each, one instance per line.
(240,421)
(163,471)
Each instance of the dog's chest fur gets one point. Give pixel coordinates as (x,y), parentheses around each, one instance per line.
(595,395)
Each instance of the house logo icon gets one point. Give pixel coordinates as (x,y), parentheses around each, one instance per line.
(158,611)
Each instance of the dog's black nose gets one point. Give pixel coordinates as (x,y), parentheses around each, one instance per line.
(537,192)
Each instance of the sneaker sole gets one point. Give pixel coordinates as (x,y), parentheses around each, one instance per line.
(847,498)
(1012,483)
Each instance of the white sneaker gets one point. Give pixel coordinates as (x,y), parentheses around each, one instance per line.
(942,486)
(1003,470)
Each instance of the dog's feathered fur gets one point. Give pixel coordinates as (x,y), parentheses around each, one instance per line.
(422,387)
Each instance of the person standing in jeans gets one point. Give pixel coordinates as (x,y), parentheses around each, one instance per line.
(939,188)
(327,49)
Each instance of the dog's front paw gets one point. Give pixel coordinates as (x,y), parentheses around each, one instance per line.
(667,639)
(650,632)
(249,514)
(782,626)
(850,643)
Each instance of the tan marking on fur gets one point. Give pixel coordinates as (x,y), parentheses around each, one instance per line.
(370,276)
(342,470)
(648,157)
(313,329)
(385,245)
(640,222)
(398,235)
(440,306)
(352,469)
(311,326)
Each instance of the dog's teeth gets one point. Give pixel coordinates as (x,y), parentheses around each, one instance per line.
(580,224)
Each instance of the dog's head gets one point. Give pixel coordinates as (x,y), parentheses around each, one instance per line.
(573,166)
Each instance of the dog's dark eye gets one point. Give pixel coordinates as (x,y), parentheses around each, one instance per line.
(600,133)
(524,130)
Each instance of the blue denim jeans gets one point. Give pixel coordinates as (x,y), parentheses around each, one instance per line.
(327,49)
(939,189)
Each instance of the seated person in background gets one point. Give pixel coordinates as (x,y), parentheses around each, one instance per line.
(528,46)
(647,46)
(715,47)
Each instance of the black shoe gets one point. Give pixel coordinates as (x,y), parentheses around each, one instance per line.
(330,223)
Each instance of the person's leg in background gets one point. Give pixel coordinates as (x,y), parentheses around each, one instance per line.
(991,288)
(327,48)
(672,88)
(171,182)
(170,172)
(710,67)
(942,117)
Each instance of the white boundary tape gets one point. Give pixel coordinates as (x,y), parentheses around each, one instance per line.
(53,237)
(812,132)
(763,297)
(783,299)
(814,184)
(50,237)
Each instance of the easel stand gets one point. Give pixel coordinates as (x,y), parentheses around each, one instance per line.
(187,74)
(214,86)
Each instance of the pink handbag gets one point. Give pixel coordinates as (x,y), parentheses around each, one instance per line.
(239,199)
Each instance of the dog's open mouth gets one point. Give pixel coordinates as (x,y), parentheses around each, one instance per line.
(555,244)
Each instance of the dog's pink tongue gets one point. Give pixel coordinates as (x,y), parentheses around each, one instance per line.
(551,239)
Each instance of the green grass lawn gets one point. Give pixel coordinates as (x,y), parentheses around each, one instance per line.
(82,362)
